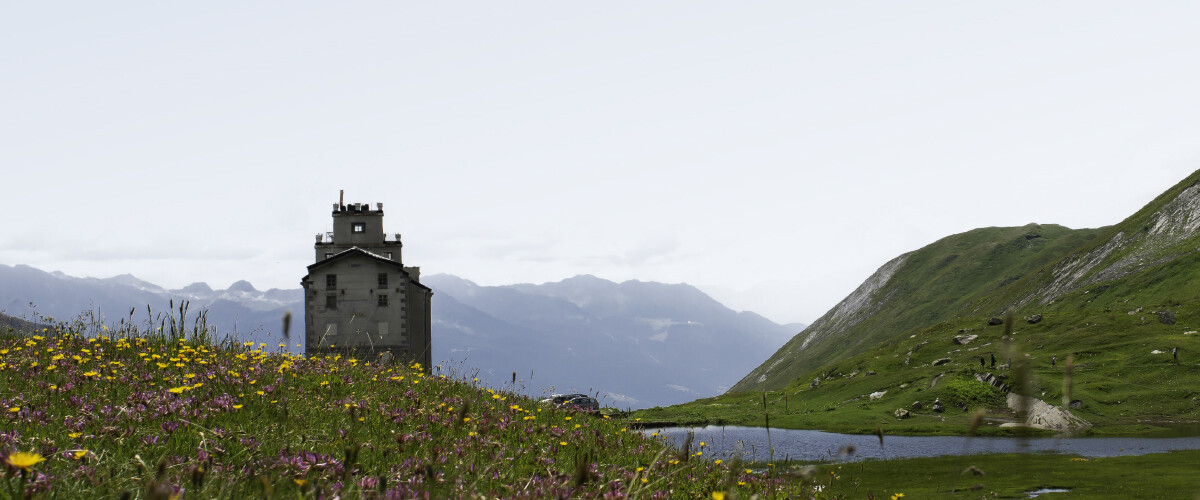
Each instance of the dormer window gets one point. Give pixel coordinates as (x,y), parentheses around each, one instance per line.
(358,227)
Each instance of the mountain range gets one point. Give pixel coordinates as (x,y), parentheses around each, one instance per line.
(634,344)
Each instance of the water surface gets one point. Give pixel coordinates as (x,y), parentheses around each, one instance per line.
(750,443)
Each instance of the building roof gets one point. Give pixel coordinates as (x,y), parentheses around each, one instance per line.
(356,251)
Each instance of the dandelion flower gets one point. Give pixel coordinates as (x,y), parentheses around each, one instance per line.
(718,495)
(24,461)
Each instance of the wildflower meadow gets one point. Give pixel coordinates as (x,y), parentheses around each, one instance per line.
(90,412)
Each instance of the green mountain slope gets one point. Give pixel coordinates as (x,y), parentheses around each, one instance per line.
(1115,300)
(1149,257)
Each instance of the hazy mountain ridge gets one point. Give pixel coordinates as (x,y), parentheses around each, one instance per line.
(637,343)
(1031,269)
(640,343)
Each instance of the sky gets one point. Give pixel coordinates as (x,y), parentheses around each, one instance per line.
(773,154)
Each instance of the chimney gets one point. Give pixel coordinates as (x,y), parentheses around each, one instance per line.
(380,205)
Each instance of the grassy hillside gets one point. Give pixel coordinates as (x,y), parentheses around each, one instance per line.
(104,414)
(1109,297)
(950,278)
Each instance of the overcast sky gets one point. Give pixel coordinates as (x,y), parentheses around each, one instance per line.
(774,154)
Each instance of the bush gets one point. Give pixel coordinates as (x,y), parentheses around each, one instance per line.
(973,393)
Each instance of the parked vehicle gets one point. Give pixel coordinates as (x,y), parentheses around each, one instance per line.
(586,404)
(581,402)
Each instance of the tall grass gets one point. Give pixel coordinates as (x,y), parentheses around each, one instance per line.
(124,411)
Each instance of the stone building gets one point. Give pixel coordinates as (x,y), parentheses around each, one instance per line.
(359,298)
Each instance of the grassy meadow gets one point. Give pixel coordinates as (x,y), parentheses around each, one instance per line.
(94,413)
(1123,385)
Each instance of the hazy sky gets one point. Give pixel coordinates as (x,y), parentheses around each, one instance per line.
(773,154)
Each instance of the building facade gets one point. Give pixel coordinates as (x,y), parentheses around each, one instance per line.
(359,298)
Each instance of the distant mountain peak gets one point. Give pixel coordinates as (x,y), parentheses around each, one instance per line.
(242,286)
(197,287)
(133,281)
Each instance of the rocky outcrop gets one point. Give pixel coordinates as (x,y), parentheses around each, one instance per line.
(865,301)
(1178,220)
(964,339)
(1043,415)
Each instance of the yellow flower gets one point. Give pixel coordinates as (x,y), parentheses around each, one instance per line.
(79,454)
(14,409)
(22,460)
(718,495)
(562,443)
(300,482)
(178,390)
(237,407)
(74,435)
(91,374)
(717,462)
(897,496)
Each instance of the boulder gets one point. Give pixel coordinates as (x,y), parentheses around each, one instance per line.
(1076,404)
(877,394)
(964,339)
(1033,319)
(940,361)
(933,383)
(937,405)
(1166,317)
(916,405)
(995,321)
(815,382)
(901,413)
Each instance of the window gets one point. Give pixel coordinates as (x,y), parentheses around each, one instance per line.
(382,280)
(330,281)
(358,227)
(331,301)
(382,299)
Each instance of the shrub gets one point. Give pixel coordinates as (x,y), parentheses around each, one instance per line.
(972,393)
